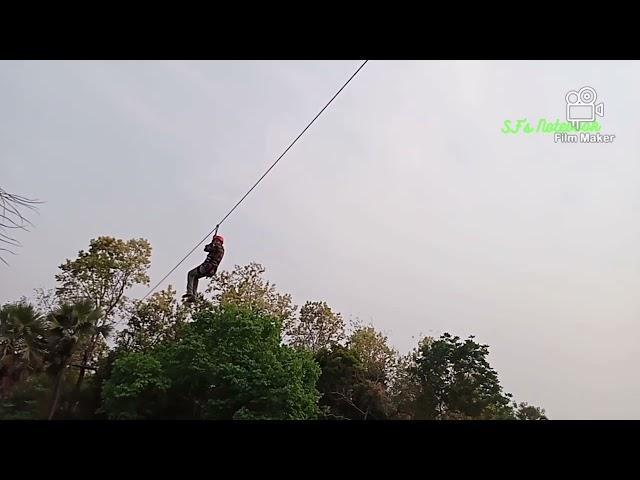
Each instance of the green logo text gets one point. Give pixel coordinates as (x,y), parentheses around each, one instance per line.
(545,126)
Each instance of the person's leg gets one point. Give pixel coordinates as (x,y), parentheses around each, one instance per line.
(196,277)
(192,281)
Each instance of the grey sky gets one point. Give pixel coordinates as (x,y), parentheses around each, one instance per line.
(404,205)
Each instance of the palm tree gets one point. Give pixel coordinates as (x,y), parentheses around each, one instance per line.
(69,324)
(22,343)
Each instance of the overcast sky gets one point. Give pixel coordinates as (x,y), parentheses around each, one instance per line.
(404,205)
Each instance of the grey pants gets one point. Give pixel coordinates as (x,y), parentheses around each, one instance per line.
(196,274)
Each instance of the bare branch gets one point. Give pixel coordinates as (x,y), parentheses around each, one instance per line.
(349,402)
(4,218)
(12,217)
(10,240)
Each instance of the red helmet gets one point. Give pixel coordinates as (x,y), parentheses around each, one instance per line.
(219,237)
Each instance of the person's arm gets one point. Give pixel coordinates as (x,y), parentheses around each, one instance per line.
(208,247)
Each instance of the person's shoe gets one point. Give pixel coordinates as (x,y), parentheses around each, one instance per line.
(188,297)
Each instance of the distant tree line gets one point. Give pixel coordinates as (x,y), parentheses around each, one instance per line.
(242,351)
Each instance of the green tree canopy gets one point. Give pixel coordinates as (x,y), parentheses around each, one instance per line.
(245,286)
(230,363)
(315,327)
(105,272)
(524,411)
(102,275)
(355,377)
(152,321)
(456,381)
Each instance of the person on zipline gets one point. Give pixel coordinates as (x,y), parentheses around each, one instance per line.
(208,268)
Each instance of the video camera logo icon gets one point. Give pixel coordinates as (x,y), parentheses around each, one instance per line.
(581,106)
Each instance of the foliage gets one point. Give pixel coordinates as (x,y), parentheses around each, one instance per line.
(355,378)
(456,381)
(315,328)
(230,363)
(67,326)
(245,286)
(22,344)
(244,353)
(153,321)
(102,275)
(104,272)
(30,399)
(524,411)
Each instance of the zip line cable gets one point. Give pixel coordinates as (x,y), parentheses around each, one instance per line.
(215,230)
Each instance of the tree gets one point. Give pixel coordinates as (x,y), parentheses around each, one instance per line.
(375,354)
(137,387)
(103,275)
(355,377)
(105,272)
(246,287)
(229,363)
(524,411)
(340,370)
(22,344)
(153,321)
(89,399)
(29,399)
(405,387)
(45,300)
(316,327)
(347,390)
(67,326)
(12,218)
(378,362)
(456,381)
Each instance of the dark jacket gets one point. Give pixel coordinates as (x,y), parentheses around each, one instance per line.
(216,252)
